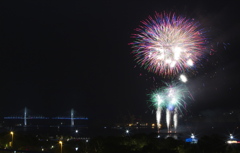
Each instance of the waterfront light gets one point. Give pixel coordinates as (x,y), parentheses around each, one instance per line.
(192,136)
(76,148)
(61,143)
(11,143)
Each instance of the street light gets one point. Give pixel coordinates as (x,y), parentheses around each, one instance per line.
(76,148)
(61,143)
(12,138)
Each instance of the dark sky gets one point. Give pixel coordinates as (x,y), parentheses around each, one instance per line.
(61,55)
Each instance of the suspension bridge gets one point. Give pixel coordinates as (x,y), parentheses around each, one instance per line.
(26,116)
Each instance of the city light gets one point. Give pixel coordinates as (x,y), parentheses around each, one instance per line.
(192,136)
(76,148)
(61,143)
(11,143)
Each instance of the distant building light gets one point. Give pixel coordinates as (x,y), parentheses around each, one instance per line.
(192,136)
(232,141)
(76,148)
(192,140)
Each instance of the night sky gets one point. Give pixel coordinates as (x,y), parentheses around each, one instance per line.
(56,56)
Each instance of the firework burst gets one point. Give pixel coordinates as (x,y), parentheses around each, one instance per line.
(170,96)
(168,44)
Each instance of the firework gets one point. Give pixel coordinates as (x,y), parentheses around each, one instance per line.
(183,78)
(167,44)
(172,98)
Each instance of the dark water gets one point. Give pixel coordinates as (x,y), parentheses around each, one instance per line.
(82,131)
(183,131)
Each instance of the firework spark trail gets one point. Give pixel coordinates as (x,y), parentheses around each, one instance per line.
(159,110)
(175,119)
(168,44)
(168,119)
(158,116)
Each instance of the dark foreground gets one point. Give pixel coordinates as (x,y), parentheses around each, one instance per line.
(212,138)
(125,143)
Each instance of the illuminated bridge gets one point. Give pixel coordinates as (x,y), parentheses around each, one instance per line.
(27,117)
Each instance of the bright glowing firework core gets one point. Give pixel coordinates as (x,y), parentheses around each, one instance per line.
(159,100)
(183,78)
(168,44)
